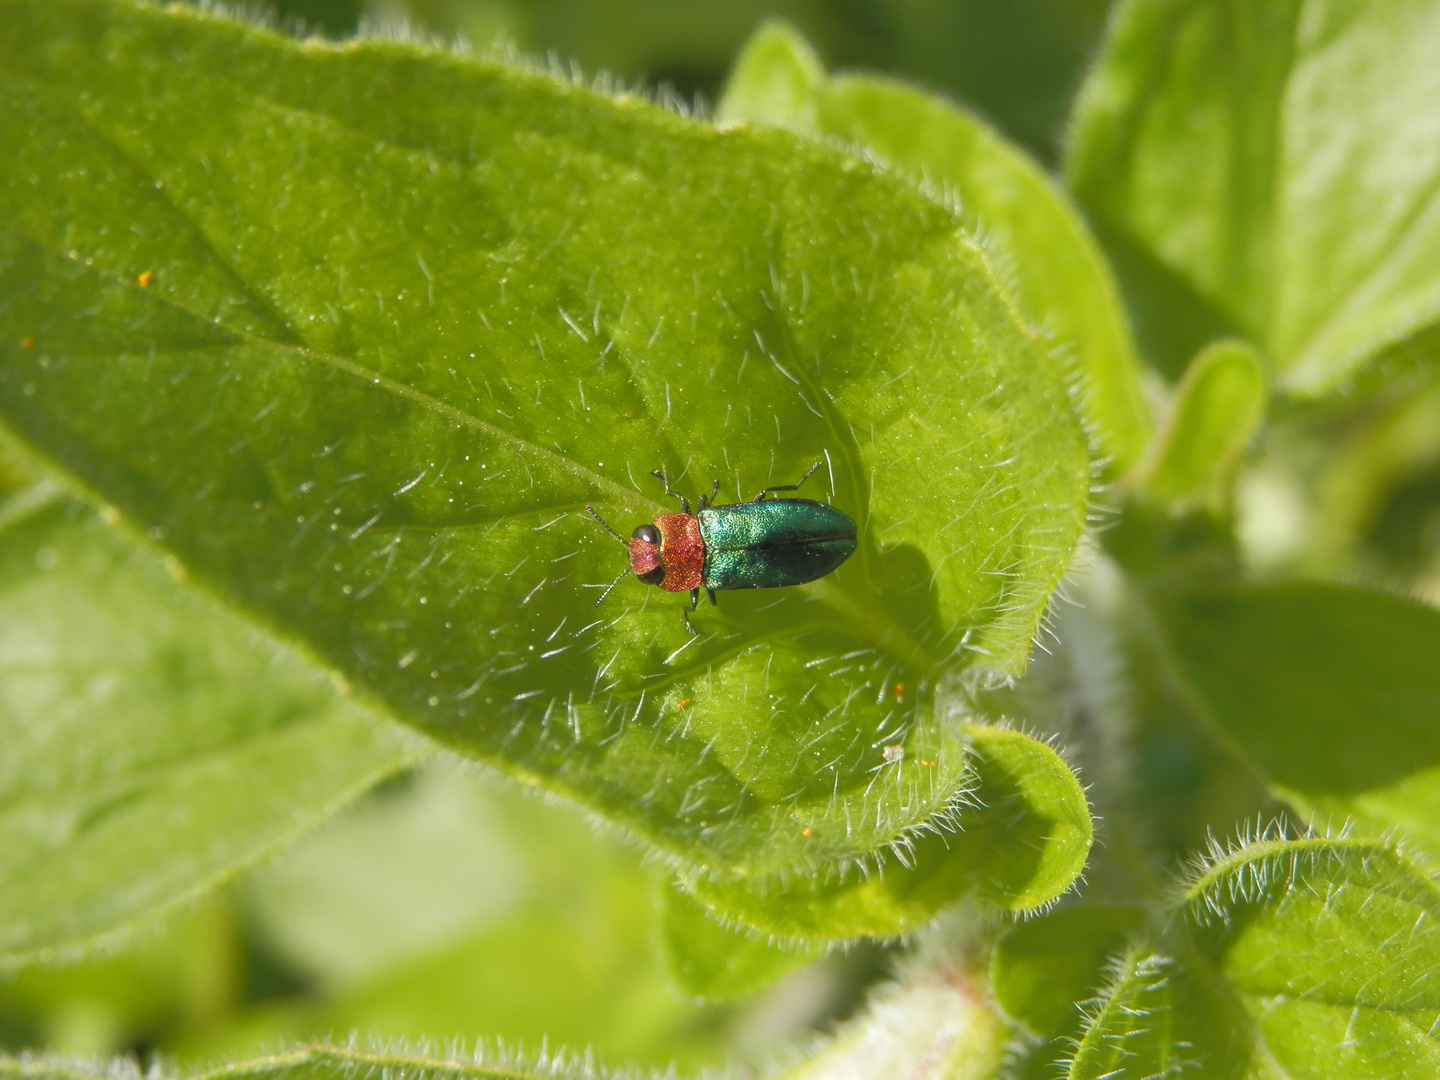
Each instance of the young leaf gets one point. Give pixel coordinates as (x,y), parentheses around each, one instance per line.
(358,331)
(153,745)
(1029,227)
(1331,692)
(1019,839)
(1217,407)
(1278,158)
(710,960)
(774,81)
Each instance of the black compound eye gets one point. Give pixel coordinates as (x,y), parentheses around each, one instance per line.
(653,577)
(649,533)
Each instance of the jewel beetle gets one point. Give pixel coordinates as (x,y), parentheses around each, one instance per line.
(766,543)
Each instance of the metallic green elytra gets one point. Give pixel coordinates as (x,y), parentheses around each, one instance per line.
(764,544)
(771,544)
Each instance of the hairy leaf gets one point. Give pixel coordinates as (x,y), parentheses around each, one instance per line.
(1029,228)
(357,332)
(1333,946)
(1217,408)
(154,745)
(1019,838)
(1331,692)
(1280,160)
(309,1063)
(1351,922)
(1292,958)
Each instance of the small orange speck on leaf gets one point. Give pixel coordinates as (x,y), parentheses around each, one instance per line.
(805,831)
(928,764)
(899,691)
(27,342)
(684,702)
(146,277)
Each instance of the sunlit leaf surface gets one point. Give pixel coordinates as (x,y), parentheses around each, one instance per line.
(357,331)
(1291,958)
(1030,230)
(1019,838)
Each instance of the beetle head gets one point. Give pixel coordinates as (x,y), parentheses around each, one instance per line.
(645,558)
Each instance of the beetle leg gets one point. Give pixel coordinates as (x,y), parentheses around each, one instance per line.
(788,487)
(659,474)
(709,500)
(712,596)
(685,612)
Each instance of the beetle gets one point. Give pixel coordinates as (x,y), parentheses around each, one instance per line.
(761,544)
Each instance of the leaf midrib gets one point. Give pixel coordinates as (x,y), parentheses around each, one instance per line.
(365,375)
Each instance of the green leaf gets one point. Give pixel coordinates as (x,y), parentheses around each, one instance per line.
(1217,408)
(1028,225)
(307,1063)
(1018,839)
(1278,159)
(710,960)
(1308,958)
(1333,946)
(357,331)
(154,745)
(1349,922)
(1331,692)
(1041,969)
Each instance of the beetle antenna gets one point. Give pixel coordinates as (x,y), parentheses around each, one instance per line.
(608,529)
(612,585)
